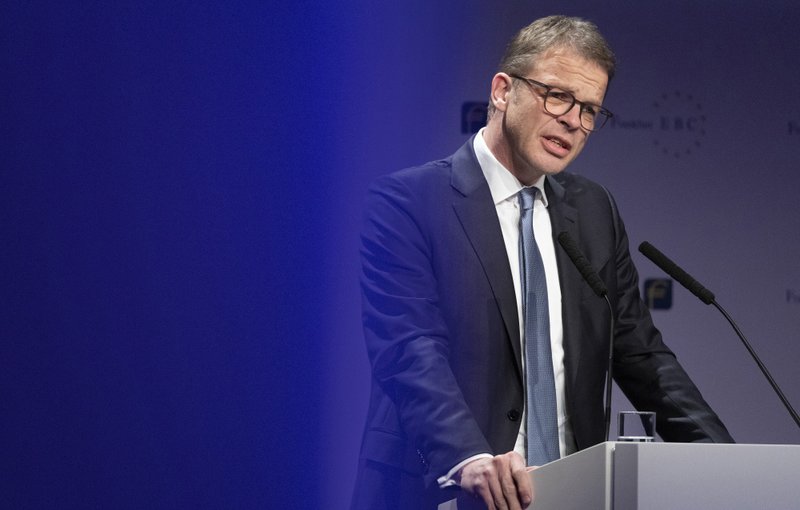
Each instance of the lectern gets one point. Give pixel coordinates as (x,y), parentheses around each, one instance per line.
(668,476)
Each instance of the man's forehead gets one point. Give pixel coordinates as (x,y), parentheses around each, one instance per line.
(563,53)
(568,69)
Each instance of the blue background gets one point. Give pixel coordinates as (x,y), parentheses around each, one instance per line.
(161,191)
(181,190)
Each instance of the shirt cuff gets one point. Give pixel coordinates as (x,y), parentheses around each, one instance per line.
(449,480)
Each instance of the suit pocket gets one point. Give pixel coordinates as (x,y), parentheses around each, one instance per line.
(388,448)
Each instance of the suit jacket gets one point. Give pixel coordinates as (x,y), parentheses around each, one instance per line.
(442,331)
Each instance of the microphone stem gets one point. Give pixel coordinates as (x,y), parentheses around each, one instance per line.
(760,364)
(610,374)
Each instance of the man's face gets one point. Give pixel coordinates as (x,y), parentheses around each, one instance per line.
(535,141)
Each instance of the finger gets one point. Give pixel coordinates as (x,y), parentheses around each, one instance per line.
(497,492)
(503,485)
(508,485)
(485,493)
(524,486)
(521,480)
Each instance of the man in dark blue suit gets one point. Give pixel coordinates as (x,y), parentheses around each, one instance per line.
(444,309)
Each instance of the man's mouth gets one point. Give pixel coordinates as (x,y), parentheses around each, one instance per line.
(559,143)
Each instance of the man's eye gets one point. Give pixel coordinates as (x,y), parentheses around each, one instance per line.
(557,95)
(590,110)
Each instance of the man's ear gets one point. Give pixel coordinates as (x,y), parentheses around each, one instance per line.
(501,88)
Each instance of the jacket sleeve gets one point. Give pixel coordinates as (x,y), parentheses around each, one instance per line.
(406,334)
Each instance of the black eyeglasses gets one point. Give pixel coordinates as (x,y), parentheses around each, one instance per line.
(559,102)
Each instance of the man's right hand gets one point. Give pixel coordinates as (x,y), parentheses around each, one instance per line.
(501,481)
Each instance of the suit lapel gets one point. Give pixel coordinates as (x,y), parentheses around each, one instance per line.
(564,218)
(476,212)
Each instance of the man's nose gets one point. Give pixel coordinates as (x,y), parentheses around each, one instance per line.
(572,118)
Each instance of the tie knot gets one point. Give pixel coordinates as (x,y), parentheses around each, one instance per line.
(526,198)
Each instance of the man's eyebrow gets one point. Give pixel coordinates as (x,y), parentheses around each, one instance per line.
(572,91)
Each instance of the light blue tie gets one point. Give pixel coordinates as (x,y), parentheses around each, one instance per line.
(541,389)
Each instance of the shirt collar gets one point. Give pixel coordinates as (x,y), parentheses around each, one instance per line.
(502,184)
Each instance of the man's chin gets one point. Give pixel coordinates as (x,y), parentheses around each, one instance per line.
(552,165)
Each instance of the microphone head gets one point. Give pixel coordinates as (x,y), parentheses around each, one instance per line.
(583,266)
(678,274)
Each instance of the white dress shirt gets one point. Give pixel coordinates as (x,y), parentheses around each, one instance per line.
(505,189)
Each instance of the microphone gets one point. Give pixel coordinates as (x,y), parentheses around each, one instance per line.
(599,288)
(583,266)
(672,269)
(707,297)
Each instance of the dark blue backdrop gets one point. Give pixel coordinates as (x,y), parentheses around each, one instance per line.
(159,197)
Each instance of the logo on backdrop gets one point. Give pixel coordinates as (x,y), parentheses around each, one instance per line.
(658,293)
(473,116)
(677,123)
(793,296)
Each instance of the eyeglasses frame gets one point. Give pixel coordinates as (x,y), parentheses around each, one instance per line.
(606,114)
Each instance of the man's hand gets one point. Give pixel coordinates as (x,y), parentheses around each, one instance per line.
(502,481)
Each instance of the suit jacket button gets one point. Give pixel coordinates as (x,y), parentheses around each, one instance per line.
(513,415)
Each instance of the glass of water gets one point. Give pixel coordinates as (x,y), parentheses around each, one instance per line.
(636,426)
